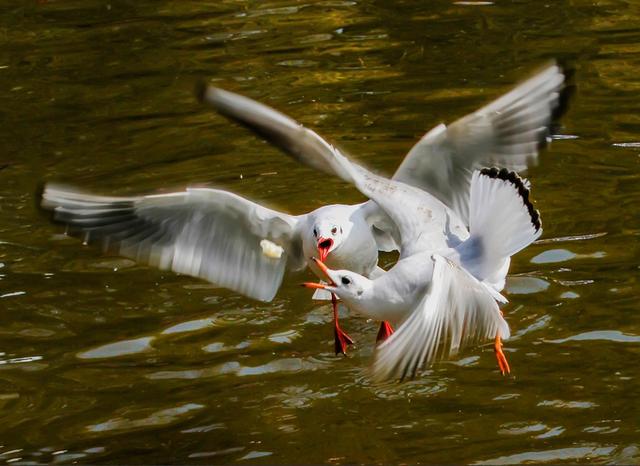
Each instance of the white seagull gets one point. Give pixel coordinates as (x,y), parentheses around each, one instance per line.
(238,244)
(442,299)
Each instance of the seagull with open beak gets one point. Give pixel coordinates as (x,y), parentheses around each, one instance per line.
(440,300)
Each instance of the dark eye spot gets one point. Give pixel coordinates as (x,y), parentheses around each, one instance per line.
(345,280)
(334,230)
(315,232)
(340,230)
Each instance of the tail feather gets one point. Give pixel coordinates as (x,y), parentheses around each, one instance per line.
(502,222)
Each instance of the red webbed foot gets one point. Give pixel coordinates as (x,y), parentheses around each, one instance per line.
(386,330)
(341,340)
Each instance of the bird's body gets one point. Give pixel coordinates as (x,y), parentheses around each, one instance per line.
(441,299)
(390,296)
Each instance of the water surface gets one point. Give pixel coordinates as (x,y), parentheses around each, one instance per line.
(105,361)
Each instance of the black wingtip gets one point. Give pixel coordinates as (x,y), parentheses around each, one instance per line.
(566,94)
(562,105)
(523,191)
(200,89)
(37,196)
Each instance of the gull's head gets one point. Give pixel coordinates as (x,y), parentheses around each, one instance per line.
(328,235)
(348,286)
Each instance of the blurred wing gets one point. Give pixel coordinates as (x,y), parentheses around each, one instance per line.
(205,233)
(383,229)
(456,311)
(507,133)
(415,220)
(415,213)
(299,142)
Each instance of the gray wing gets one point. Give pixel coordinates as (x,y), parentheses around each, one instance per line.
(507,133)
(299,142)
(205,233)
(456,311)
(419,218)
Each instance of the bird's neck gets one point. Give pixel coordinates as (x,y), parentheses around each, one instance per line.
(381,302)
(394,295)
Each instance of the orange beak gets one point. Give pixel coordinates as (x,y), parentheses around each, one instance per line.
(324,244)
(318,286)
(325,270)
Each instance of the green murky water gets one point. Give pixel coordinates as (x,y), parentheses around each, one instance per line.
(104,361)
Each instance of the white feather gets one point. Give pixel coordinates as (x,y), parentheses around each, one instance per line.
(455,312)
(206,233)
(501,223)
(506,133)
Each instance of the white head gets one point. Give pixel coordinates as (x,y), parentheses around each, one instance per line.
(351,287)
(328,235)
(330,228)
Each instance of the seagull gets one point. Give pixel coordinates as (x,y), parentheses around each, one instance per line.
(238,244)
(506,133)
(441,299)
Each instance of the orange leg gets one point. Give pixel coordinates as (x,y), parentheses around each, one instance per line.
(341,339)
(502,359)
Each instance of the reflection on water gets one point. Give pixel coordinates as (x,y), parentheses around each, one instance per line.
(609,335)
(573,454)
(191,326)
(156,419)
(526,285)
(105,361)
(120,348)
(553,255)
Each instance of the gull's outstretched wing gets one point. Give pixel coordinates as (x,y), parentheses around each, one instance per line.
(456,311)
(420,219)
(206,233)
(297,141)
(507,133)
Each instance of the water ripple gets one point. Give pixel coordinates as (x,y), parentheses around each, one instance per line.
(568,404)
(525,285)
(190,326)
(234,367)
(156,419)
(117,349)
(608,335)
(550,456)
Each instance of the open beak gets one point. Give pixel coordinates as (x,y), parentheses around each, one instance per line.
(324,245)
(318,286)
(325,270)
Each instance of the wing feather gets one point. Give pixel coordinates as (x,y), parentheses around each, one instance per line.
(506,133)
(456,311)
(206,233)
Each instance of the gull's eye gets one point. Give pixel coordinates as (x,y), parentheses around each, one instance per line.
(334,230)
(340,230)
(315,232)
(346,280)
